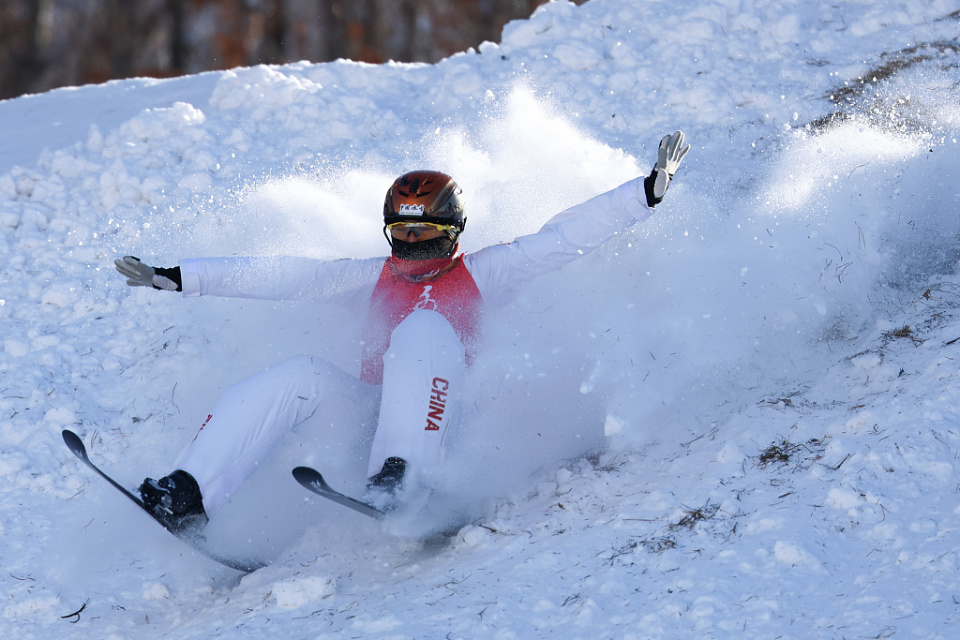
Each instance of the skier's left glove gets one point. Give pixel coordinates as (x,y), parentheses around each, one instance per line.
(669,155)
(140,274)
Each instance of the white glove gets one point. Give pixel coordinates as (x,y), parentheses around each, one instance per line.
(140,274)
(671,152)
(669,155)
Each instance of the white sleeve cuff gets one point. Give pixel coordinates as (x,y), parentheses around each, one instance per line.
(190,277)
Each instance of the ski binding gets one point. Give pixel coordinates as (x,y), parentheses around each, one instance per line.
(75,444)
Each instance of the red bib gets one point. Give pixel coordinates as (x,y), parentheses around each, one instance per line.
(443,285)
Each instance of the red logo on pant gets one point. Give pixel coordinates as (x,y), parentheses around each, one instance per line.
(202,426)
(438,404)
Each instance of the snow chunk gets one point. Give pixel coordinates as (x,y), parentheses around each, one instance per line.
(382,624)
(471,536)
(262,86)
(694,31)
(160,123)
(11,464)
(786,28)
(863,420)
(941,471)
(612,425)
(300,591)
(30,607)
(520,34)
(155,591)
(7,186)
(68,165)
(730,454)
(867,361)
(59,296)
(578,55)
(792,555)
(764,524)
(843,499)
(8,220)
(15,348)
(61,416)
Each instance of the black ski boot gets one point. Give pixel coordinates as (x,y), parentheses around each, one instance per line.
(175,499)
(382,488)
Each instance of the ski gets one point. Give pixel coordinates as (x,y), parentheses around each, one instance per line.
(75,444)
(312,480)
(434,532)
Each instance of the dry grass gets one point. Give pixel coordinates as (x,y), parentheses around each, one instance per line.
(857,96)
(784,451)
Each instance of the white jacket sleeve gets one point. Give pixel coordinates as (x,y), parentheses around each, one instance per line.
(564,238)
(282,278)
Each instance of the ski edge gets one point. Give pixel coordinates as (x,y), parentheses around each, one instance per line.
(312,479)
(76,446)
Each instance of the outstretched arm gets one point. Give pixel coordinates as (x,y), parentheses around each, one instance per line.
(578,230)
(343,282)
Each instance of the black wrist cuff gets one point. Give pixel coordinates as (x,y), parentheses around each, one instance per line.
(648,183)
(173,273)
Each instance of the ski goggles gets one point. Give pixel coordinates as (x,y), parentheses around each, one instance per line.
(402,229)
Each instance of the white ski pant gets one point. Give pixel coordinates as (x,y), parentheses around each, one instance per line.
(423,377)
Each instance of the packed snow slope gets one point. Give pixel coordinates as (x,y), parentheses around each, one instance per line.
(740,419)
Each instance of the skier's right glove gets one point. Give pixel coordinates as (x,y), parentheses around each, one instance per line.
(669,156)
(140,274)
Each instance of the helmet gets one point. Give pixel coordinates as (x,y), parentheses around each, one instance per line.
(425,196)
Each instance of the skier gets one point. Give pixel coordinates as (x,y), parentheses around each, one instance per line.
(423,303)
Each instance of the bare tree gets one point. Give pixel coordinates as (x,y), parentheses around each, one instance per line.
(50,43)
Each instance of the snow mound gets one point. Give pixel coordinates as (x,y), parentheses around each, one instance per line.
(740,418)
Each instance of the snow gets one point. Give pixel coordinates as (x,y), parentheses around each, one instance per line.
(739,419)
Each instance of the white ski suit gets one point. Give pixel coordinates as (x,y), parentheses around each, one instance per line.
(420,332)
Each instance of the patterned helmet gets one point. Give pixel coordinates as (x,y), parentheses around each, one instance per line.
(424,196)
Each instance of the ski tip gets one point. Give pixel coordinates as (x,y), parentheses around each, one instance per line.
(306,474)
(74,442)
